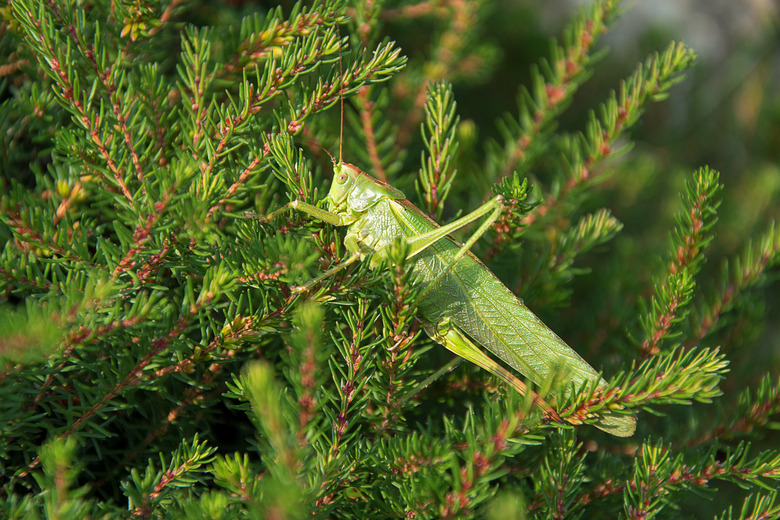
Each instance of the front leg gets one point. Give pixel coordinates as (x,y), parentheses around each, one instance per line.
(335,219)
(327,274)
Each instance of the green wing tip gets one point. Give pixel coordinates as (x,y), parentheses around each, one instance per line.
(617,425)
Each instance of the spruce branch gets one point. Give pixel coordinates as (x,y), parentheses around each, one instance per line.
(111,78)
(658,474)
(306,361)
(516,206)
(694,230)
(274,416)
(649,83)
(740,275)
(236,474)
(59,59)
(562,473)
(676,377)
(60,471)
(366,110)
(290,167)
(399,330)
(554,83)
(252,168)
(692,234)
(273,79)
(192,397)
(482,449)
(668,310)
(132,378)
(754,410)
(437,174)
(419,9)
(266,39)
(757,506)
(385,60)
(74,339)
(277,77)
(590,231)
(140,239)
(377,131)
(48,242)
(356,352)
(449,54)
(186,467)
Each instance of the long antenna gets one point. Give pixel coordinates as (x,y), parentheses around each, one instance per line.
(341,95)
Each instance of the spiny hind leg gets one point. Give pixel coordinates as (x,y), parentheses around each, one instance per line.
(457,342)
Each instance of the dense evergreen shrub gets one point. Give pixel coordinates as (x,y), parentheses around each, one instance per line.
(157,363)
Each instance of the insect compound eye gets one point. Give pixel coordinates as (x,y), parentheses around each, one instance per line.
(341,178)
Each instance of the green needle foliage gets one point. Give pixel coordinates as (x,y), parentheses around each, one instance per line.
(155,361)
